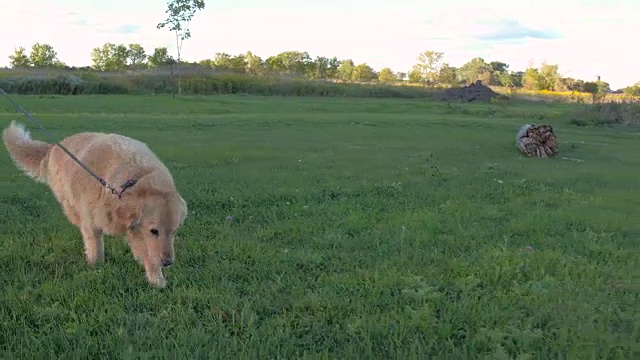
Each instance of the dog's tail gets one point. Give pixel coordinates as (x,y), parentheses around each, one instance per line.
(29,155)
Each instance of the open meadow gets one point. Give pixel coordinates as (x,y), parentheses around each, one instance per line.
(337,228)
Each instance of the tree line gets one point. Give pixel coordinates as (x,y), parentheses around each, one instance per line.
(429,69)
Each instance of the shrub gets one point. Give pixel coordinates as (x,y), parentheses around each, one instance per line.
(624,112)
(161,81)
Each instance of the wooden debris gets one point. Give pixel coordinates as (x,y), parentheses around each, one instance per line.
(535,140)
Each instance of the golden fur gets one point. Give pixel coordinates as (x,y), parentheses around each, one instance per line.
(149,212)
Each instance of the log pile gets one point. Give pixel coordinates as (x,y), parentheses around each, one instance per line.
(535,140)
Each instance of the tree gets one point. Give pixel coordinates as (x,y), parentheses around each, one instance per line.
(476,69)
(346,69)
(19,59)
(179,15)
(516,77)
(415,76)
(227,62)
(43,55)
(590,87)
(530,79)
(238,63)
(110,57)
(498,70)
(633,90)
(499,67)
(221,61)
(253,64)
(447,75)
(332,72)
(206,63)
(386,76)
(290,63)
(598,90)
(506,79)
(160,57)
(548,77)
(429,63)
(603,86)
(569,84)
(319,68)
(137,55)
(363,72)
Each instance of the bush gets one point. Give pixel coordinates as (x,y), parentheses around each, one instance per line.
(60,85)
(162,81)
(625,112)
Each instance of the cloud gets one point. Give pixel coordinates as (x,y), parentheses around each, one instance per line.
(79,22)
(126,29)
(510,30)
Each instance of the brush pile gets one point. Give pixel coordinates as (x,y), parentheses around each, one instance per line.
(535,140)
(474,92)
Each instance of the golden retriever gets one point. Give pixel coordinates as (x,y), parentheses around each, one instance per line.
(148,213)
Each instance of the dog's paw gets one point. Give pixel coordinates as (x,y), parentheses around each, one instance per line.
(93,260)
(157,281)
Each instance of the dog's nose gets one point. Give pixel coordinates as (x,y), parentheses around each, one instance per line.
(167,262)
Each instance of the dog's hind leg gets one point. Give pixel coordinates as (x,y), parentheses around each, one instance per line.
(93,244)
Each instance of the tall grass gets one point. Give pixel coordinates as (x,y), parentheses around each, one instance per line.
(605,113)
(561,96)
(194,82)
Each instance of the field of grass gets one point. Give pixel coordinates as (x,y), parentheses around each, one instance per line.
(361,228)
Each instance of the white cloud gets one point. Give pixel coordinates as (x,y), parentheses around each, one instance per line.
(391,33)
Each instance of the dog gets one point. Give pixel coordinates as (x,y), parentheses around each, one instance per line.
(147,214)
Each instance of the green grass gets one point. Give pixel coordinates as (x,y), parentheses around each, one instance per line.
(361,228)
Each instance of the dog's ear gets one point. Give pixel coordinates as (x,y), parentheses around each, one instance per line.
(129,214)
(183,209)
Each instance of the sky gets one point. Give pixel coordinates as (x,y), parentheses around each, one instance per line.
(586,38)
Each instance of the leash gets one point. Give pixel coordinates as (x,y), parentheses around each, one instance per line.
(129,183)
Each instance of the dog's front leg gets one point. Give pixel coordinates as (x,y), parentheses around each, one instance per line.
(93,244)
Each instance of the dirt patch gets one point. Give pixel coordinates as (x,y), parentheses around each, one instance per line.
(474,92)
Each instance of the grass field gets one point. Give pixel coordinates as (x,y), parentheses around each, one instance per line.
(360,228)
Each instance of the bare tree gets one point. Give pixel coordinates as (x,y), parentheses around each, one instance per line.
(179,15)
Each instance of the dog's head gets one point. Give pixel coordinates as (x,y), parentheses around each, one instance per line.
(153,218)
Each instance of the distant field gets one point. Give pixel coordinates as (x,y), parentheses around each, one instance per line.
(362,228)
